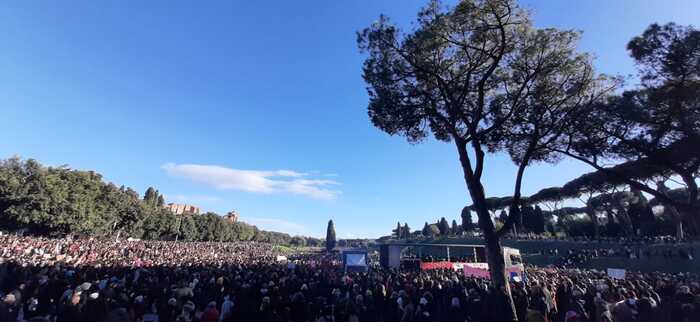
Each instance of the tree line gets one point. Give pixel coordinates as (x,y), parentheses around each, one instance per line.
(481,76)
(60,201)
(534,220)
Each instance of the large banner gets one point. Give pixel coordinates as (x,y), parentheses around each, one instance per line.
(472,271)
(482,270)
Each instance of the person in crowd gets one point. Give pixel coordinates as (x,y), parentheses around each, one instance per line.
(96,280)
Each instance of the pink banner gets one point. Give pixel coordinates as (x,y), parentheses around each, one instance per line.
(436,265)
(482,270)
(476,272)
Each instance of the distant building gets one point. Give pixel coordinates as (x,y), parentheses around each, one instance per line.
(231,216)
(182,209)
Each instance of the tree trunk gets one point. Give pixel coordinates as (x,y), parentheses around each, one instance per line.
(679,229)
(625,221)
(594,219)
(672,212)
(494,250)
(516,194)
(610,226)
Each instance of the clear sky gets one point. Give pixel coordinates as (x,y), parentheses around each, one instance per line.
(255,106)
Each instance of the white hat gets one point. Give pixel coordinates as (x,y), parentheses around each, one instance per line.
(85,286)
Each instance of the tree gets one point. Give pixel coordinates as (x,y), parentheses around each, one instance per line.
(330,236)
(467,222)
(444,227)
(426,230)
(56,201)
(462,75)
(454,230)
(405,231)
(298,241)
(150,197)
(187,228)
(434,231)
(538,220)
(398,231)
(658,123)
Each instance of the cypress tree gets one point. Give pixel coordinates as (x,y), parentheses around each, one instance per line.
(426,230)
(444,227)
(467,222)
(397,232)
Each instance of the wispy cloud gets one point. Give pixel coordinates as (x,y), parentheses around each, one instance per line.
(256,181)
(280,225)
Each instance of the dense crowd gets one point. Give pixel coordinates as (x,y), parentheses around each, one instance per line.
(576,257)
(38,251)
(144,281)
(653,239)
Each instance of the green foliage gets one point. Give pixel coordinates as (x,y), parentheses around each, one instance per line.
(298,241)
(57,201)
(576,226)
(283,249)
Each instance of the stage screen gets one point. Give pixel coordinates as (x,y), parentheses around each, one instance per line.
(355,259)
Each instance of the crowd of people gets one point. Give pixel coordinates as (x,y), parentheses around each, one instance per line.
(68,280)
(40,251)
(576,256)
(652,239)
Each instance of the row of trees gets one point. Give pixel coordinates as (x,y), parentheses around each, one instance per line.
(533,220)
(481,76)
(441,228)
(57,201)
(606,211)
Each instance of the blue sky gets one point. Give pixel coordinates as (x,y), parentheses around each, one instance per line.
(255,107)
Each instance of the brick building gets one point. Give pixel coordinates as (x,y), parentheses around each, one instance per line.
(182,209)
(232,216)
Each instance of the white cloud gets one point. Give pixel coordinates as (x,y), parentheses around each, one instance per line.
(279,225)
(255,181)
